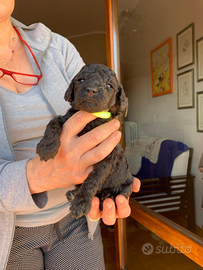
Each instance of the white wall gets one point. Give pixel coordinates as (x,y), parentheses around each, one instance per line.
(159,116)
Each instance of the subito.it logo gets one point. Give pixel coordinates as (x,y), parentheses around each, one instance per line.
(147,249)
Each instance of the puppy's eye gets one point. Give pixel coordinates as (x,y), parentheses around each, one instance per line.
(108,86)
(81,80)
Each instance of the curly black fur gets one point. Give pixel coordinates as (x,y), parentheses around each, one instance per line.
(95,88)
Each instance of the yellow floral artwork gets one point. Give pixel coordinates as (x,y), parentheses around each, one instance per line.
(161,69)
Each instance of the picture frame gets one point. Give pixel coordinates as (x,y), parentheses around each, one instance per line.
(162,69)
(185,89)
(199,50)
(200,111)
(185,47)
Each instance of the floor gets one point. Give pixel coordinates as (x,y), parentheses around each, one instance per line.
(157,255)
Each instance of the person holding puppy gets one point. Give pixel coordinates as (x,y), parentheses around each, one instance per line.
(36,229)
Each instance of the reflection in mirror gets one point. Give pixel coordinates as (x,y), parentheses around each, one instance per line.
(162,141)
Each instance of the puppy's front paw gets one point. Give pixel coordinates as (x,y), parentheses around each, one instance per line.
(47,150)
(71,194)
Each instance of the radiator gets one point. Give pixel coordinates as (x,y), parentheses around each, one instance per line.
(130,133)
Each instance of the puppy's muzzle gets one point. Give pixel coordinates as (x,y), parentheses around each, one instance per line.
(91,91)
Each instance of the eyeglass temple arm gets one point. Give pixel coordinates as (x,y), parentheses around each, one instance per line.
(28,48)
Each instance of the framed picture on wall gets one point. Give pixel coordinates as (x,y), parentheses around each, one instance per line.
(161,69)
(185,47)
(199,48)
(200,111)
(185,85)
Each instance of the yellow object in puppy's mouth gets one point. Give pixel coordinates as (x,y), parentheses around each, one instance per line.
(102,114)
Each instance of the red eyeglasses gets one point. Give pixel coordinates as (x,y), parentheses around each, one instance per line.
(22,78)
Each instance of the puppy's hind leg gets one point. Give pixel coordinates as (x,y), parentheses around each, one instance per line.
(126,188)
(81,204)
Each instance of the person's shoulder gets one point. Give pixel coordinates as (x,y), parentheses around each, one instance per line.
(32,29)
(59,41)
(37,35)
(40,36)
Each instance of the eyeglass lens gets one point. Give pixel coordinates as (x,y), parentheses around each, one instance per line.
(23,79)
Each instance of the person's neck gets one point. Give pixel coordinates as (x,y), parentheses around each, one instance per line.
(6,32)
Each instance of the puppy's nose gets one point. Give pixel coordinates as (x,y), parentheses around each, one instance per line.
(91,91)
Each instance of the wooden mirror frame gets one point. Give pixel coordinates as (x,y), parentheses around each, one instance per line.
(160,225)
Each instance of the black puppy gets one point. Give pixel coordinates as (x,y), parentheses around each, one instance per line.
(94,89)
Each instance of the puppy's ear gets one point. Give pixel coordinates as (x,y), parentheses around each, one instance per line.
(69,94)
(121,104)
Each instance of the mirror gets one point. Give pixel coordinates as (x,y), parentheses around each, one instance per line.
(160,63)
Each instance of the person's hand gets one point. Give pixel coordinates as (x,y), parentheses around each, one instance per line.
(111,211)
(76,155)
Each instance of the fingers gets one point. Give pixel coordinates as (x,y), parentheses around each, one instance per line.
(101,151)
(136,185)
(106,136)
(98,134)
(77,122)
(109,212)
(95,213)
(123,207)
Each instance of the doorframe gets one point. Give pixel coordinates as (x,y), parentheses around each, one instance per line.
(113,61)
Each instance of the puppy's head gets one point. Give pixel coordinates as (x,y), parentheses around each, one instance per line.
(96,88)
